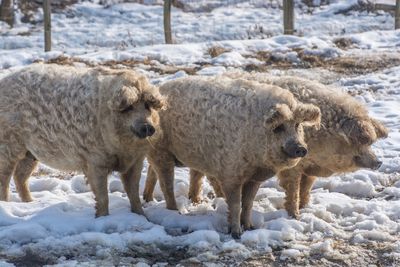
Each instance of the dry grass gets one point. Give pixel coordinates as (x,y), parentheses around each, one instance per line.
(63,60)
(349,65)
(345,64)
(215,51)
(343,43)
(129,63)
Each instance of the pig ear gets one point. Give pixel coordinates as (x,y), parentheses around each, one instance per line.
(141,83)
(359,132)
(277,115)
(123,98)
(380,129)
(154,100)
(308,114)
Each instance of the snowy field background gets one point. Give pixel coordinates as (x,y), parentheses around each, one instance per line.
(353,219)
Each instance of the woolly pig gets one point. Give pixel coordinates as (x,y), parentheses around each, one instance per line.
(343,144)
(239,131)
(90,120)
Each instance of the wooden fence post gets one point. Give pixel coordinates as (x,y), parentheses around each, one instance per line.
(288,16)
(167,21)
(397,15)
(7,12)
(47,25)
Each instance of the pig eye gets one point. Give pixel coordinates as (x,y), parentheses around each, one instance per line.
(279,129)
(297,126)
(127,109)
(357,159)
(147,106)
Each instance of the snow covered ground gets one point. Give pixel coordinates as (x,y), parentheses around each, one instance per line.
(353,219)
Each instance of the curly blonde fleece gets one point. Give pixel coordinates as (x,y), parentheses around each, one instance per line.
(347,131)
(69,119)
(337,107)
(224,128)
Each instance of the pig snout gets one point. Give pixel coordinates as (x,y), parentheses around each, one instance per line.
(369,163)
(144,130)
(294,149)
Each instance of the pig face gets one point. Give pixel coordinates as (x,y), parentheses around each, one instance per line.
(134,113)
(286,144)
(360,134)
(340,156)
(350,149)
(366,158)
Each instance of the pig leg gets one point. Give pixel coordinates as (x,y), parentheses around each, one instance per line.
(6,170)
(9,157)
(305,189)
(97,178)
(151,181)
(290,181)
(249,192)
(196,180)
(130,180)
(233,193)
(163,164)
(22,172)
(216,186)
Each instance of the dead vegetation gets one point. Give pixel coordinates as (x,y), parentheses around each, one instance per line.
(30,8)
(344,64)
(354,65)
(344,43)
(146,64)
(63,60)
(215,51)
(349,65)
(346,254)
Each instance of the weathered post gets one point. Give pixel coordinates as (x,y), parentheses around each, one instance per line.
(7,12)
(288,16)
(167,21)
(47,25)
(397,15)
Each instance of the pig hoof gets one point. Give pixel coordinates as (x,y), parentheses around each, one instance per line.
(196,200)
(236,235)
(138,212)
(303,205)
(148,198)
(294,215)
(172,207)
(27,199)
(100,214)
(249,227)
